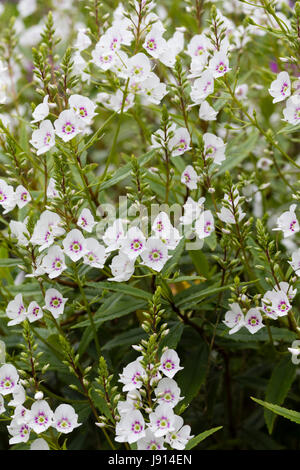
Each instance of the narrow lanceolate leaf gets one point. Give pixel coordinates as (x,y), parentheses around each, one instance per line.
(197,439)
(125,172)
(279,410)
(193,375)
(9,262)
(279,384)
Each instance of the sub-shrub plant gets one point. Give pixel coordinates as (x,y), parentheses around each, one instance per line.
(149,234)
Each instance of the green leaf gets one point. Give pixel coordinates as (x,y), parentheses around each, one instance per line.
(124,288)
(195,295)
(279,384)
(9,262)
(193,375)
(122,308)
(279,410)
(200,262)
(238,149)
(173,337)
(125,171)
(197,439)
(127,338)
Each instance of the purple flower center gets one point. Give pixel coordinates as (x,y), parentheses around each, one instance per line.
(68,128)
(55,302)
(155,255)
(137,427)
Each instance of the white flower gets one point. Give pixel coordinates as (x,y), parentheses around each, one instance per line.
(54,302)
(43,139)
(22,196)
(264,163)
(7,197)
(189,177)
(280,88)
(51,189)
(280,305)
(19,396)
(253,320)
(287,289)
(288,222)
(205,225)
(241,91)
(41,111)
(132,403)
(80,66)
(214,148)
(291,112)
(82,41)
(174,47)
(167,391)
(132,376)
(111,40)
(74,245)
(267,306)
(162,225)
(19,230)
(54,262)
(162,420)
(219,64)
(86,220)
(114,235)
(115,101)
(180,436)
(27,7)
(34,312)
(154,43)
(16,311)
(134,243)
(152,90)
(65,419)
(207,112)
(180,142)
(83,107)
(295,263)
(20,432)
(122,268)
(150,442)
(21,414)
(40,416)
(138,67)
(198,47)
(103,57)
(169,363)
(192,210)
(39,444)
(155,254)
(9,379)
(46,229)
(68,125)
(130,428)
(234,318)
(202,87)
(95,254)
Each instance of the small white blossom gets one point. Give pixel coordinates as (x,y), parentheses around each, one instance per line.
(54,302)
(65,419)
(280,88)
(288,222)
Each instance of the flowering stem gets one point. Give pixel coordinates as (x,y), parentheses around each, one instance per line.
(87,306)
(268,135)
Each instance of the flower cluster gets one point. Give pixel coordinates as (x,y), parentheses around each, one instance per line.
(38,418)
